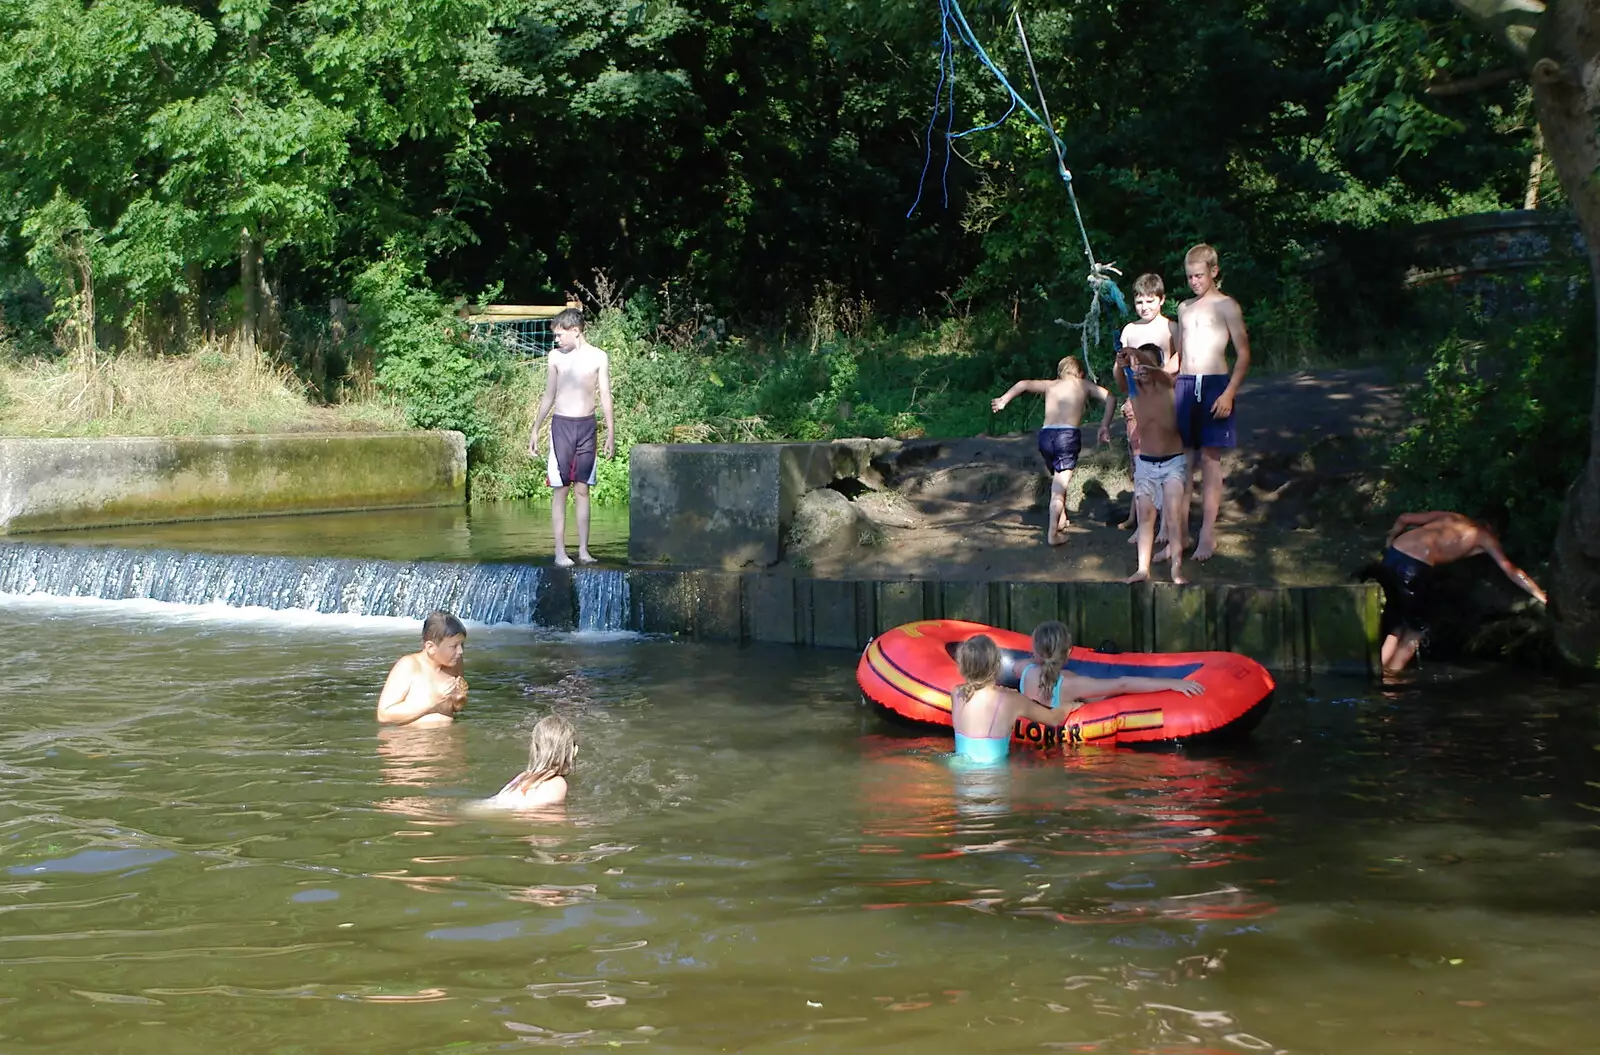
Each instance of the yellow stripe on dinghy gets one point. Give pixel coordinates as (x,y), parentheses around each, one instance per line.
(917,690)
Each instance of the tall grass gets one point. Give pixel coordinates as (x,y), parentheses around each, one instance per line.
(223,386)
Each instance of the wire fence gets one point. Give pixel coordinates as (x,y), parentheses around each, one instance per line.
(524,338)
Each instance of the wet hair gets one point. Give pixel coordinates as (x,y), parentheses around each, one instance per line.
(440,625)
(978,660)
(1148,354)
(1069,367)
(1203,253)
(552,749)
(1051,640)
(1149,284)
(568,319)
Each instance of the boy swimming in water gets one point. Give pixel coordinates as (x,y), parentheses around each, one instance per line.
(982,712)
(1046,681)
(552,754)
(1059,442)
(426,688)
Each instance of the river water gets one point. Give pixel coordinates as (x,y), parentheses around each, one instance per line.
(204,840)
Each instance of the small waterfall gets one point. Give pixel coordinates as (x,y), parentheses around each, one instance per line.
(603,600)
(485,593)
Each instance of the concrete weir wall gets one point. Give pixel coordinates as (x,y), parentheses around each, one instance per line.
(1322,628)
(50,484)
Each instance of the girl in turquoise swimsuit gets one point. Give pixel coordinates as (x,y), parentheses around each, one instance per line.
(1045,681)
(982,712)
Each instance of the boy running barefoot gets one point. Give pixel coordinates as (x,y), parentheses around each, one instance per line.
(1158,478)
(577,371)
(1205,391)
(1059,442)
(1149,296)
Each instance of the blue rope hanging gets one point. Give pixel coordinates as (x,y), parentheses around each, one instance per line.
(953,27)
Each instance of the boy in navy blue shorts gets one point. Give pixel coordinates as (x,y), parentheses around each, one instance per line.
(1206,389)
(1059,442)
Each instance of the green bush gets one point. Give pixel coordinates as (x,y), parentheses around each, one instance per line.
(423,356)
(1502,419)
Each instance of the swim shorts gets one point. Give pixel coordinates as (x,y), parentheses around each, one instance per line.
(572,451)
(1152,472)
(1408,597)
(1059,446)
(1195,396)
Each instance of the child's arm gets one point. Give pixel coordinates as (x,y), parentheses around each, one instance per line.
(1491,546)
(1105,421)
(1174,360)
(605,405)
(1231,314)
(547,399)
(1118,366)
(1021,706)
(1177,340)
(997,405)
(1081,688)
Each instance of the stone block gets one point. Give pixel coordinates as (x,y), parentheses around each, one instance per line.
(555,605)
(973,601)
(1342,628)
(50,484)
(770,610)
(705,505)
(1265,624)
(898,603)
(663,601)
(832,610)
(719,607)
(1105,616)
(1180,619)
(1030,603)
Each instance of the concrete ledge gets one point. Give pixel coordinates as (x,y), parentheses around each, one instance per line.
(1325,628)
(50,484)
(729,505)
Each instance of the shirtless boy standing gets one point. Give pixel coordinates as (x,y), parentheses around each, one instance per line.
(1059,442)
(1206,389)
(1418,543)
(1158,477)
(426,688)
(1149,295)
(576,372)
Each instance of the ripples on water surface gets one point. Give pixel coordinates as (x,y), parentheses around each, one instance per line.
(204,839)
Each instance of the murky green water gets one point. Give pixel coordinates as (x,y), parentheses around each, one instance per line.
(498,531)
(205,841)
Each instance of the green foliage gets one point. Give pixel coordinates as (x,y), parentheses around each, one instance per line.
(1503,420)
(424,358)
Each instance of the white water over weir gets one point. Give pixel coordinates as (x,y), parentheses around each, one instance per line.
(583,599)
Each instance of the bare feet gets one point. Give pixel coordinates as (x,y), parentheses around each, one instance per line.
(1164,554)
(563,561)
(1129,523)
(1055,538)
(1205,550)
(585,557)
(1180,579)
(1138,576)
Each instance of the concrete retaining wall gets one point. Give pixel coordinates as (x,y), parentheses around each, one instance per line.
(50,484)
(1322,628)
(729,505)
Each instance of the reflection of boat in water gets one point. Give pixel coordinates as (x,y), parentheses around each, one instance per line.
(909,672)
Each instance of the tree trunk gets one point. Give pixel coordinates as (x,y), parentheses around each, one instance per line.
(1560,42)
(249,287)
(1566,92)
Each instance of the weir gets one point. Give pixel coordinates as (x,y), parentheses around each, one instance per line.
(1292,628)
(519,594)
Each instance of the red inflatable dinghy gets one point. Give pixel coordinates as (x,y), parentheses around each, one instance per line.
(910,672)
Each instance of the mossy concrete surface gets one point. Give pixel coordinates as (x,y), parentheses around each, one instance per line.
(51,484)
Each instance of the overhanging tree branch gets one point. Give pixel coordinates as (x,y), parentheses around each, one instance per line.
(1514,22)
(1475,83)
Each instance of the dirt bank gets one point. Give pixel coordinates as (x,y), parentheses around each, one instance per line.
(1296,509)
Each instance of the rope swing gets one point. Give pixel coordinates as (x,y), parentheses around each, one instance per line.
(953,27)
